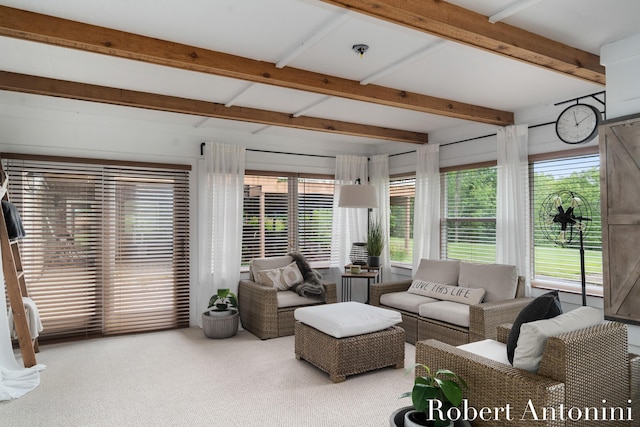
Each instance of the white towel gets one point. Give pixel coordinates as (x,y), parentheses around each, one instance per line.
(33,318)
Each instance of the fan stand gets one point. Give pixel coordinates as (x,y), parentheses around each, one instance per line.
(582,272)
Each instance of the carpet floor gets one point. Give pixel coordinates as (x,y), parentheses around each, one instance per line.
(182,378)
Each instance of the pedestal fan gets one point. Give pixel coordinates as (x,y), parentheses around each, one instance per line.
(562,214)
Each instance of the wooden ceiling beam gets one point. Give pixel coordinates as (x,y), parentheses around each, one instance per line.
(109,95)
(31,26)
(448,21)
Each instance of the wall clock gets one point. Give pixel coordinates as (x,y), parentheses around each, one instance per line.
(578,123)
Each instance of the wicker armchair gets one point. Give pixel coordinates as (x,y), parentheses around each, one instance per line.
(262,315)
(578,370)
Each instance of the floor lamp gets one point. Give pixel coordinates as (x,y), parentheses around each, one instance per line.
(358,196)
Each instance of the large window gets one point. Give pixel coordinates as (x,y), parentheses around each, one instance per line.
(468,207)
(107,246)
(284,213)
(554,260)
(402,192)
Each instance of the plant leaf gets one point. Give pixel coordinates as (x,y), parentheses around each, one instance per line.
(452,391)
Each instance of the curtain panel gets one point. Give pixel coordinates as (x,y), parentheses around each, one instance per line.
(426,223)
(379,177)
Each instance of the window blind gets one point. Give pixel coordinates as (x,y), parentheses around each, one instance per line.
(580,174)
(107,246)
(468,206)
(402,192)
(314,218)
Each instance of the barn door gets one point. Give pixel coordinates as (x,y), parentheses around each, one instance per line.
(620,197)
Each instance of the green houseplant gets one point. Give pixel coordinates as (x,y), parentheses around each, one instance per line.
(221,319)
(375,243)
(443,386)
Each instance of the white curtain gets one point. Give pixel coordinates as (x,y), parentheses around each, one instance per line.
(15,381)
(379,177)
(349,224)
(512,210)
(220,220)
(426,216)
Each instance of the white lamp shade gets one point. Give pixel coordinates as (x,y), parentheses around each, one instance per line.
(358,196)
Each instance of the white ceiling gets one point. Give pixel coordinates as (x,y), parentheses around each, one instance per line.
(271,30)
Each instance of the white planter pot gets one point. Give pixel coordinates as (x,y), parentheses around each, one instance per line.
(408,422)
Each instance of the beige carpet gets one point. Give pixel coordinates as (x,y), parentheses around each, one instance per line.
(182,378)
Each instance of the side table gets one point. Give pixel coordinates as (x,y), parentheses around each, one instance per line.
(366,272)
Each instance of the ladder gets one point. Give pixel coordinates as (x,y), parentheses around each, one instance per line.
(16,288)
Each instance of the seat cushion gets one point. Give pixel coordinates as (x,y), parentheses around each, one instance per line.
(292,299)
(500,281)
(491,349)
(442,271)
(347,319)
(446,311)
(534,335)
(545,306)
(405,301)
(258,264)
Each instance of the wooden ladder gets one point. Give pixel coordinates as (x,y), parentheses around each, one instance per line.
(16,289)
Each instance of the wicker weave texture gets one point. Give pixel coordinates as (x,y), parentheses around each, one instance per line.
(340,357)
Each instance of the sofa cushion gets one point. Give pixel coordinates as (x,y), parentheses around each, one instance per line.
(459,294)
(490,349)
(405,301)
(446,311)
(258,264)
(347,319)
(281,278)
(292,299)
(545,306)
(500,281)
(443,271)
(534,335)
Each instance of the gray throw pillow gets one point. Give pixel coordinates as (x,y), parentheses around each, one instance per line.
(545,306)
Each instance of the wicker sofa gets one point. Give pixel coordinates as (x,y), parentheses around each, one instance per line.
(578,369)
(266,311)
(458,323)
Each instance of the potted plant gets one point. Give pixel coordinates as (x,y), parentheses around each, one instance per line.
(221,318)
(443,386)
(375,243)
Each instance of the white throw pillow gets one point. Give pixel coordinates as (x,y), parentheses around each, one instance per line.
(282,278)
(533,335)
(459,294)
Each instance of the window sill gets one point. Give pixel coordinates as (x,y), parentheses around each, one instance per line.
(567,287)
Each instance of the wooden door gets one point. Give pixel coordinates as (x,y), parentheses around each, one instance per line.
(620,201)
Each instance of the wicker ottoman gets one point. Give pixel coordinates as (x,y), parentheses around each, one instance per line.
(349,355)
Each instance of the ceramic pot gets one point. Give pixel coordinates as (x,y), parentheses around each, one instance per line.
(373,261)
(414,418)
(220,324)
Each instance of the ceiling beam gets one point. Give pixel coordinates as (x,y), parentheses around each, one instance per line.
(109,95)
(448,21)
(31,26)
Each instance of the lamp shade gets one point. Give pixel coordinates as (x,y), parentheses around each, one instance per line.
(358,196)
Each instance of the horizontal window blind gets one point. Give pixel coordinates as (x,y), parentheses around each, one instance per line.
(402,192)
(314,218)
(107,246)
(561,262)
(468,223)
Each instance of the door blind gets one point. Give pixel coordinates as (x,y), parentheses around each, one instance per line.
(107,246)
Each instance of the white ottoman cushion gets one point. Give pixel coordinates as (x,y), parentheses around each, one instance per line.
(347,319)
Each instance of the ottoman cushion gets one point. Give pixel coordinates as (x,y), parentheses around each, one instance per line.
(347,319)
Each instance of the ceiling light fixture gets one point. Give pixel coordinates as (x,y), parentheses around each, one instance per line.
(360,49)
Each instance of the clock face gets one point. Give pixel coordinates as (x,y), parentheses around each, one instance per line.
(578,123)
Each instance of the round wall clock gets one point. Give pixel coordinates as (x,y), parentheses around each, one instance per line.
(578,123)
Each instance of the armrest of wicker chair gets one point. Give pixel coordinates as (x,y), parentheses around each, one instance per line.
(492,384)
(502,332)
(634,382)
(258,307)
(330,293)
(484,318)
(378,289)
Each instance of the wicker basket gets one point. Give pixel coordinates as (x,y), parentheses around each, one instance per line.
(220,326)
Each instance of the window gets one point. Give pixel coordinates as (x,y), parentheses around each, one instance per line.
(579,174)
(285,212)
(468,224)
(107,246)
(402,192)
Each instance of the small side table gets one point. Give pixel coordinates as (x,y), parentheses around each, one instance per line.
(366,272)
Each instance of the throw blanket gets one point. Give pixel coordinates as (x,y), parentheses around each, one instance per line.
(312,284)
(12,218)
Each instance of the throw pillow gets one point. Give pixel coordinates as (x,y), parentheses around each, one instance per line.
(281,278)
(545,306)
(445,292)
(534,335)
